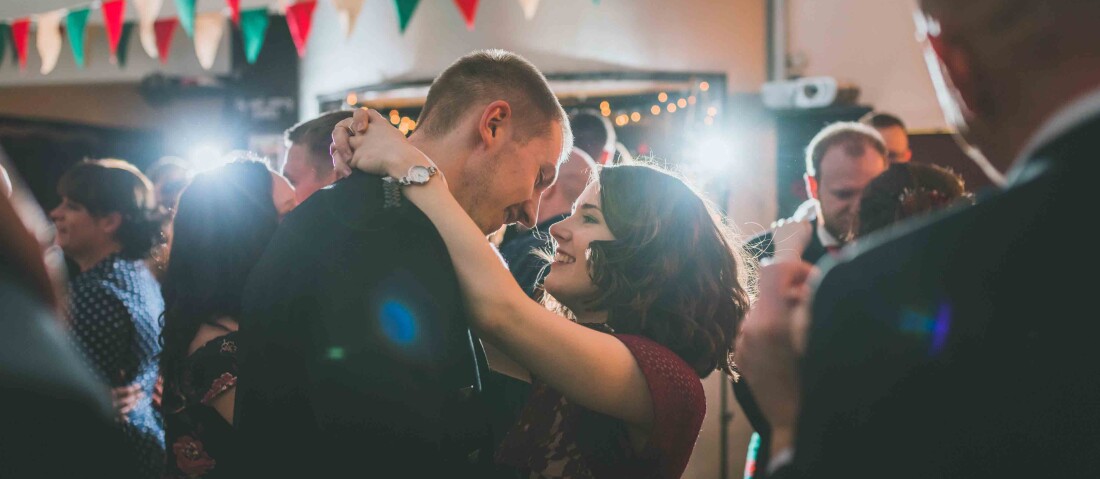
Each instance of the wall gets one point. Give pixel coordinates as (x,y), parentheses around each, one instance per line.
(872,44)
(564,36)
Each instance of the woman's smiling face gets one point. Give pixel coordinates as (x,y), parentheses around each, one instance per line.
(569,280)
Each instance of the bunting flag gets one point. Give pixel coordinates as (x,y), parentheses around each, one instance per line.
(405,9)
(347,12)
(156,34)
(299,17)
(147,11)
(185,9)
(529,8)
(48,39)
(164,30)
(124,45)
(74,27)
(208,36)
(235,11)
(469,11)
(253,30)
(5,32)
(113,11)
(20,34)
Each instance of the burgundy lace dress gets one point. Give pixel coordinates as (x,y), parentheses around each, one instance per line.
(200,441)
(557,439)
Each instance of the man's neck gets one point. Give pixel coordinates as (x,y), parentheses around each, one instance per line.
(1064,118)
(1040,119)
(448,157)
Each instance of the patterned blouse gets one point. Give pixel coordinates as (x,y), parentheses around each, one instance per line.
(557,439)
(201,441)
(115,317)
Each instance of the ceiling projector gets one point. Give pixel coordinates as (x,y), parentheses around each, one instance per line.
(809,92)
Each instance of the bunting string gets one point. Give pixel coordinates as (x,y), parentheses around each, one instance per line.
(54,27)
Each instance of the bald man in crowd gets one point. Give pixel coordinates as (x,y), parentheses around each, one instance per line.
(956,346)
(594,135)
(308,164)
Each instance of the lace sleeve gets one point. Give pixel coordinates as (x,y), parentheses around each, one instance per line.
(212,369)
(679,403)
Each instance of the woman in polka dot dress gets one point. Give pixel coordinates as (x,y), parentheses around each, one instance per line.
(107,224)
(224,221)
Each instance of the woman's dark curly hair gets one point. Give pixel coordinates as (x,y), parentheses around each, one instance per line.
(115,186)
(908,190)
(223,223)
(673,274)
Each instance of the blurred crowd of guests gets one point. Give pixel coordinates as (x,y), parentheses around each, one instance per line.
(345,315)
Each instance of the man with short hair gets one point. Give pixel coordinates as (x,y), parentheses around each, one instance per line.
(357,353)
(593,134)
(956,347)
(308,166)
(893,132)
(840,160)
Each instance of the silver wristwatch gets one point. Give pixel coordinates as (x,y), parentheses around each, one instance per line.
(417,175)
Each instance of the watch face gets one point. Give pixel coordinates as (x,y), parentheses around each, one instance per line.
(419,174)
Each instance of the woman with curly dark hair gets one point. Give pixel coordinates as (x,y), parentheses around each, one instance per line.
(224,220)
(107,223)
(655,289)
(908,190)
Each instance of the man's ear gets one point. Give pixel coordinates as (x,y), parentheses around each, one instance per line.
(811,185)
(494,122)
(110,222)
(958,70)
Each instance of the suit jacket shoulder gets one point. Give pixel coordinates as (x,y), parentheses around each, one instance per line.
(355,338)
(938,335)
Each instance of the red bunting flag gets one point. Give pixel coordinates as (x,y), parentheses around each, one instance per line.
(469,11)
(235,11)
(20,35)
(164,30)
(299,17)
(113,12)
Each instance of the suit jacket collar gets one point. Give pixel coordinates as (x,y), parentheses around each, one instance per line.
(1072,146)
(1069,119)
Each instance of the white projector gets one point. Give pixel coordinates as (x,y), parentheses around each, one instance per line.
(810,92)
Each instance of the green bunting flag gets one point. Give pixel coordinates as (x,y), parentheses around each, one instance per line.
(405,9)
(124,43)
(254,29)
(185,9)
(5,32)
(74,26)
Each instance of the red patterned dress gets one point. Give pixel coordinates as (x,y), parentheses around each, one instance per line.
(557,439)
(200,441)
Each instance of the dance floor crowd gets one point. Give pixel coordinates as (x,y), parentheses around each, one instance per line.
(502,294)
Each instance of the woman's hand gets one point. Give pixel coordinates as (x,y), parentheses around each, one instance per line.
(791,237)
(126,398)
(368,143)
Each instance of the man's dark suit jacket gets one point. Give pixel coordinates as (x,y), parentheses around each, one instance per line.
(965,347)
(356,354)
